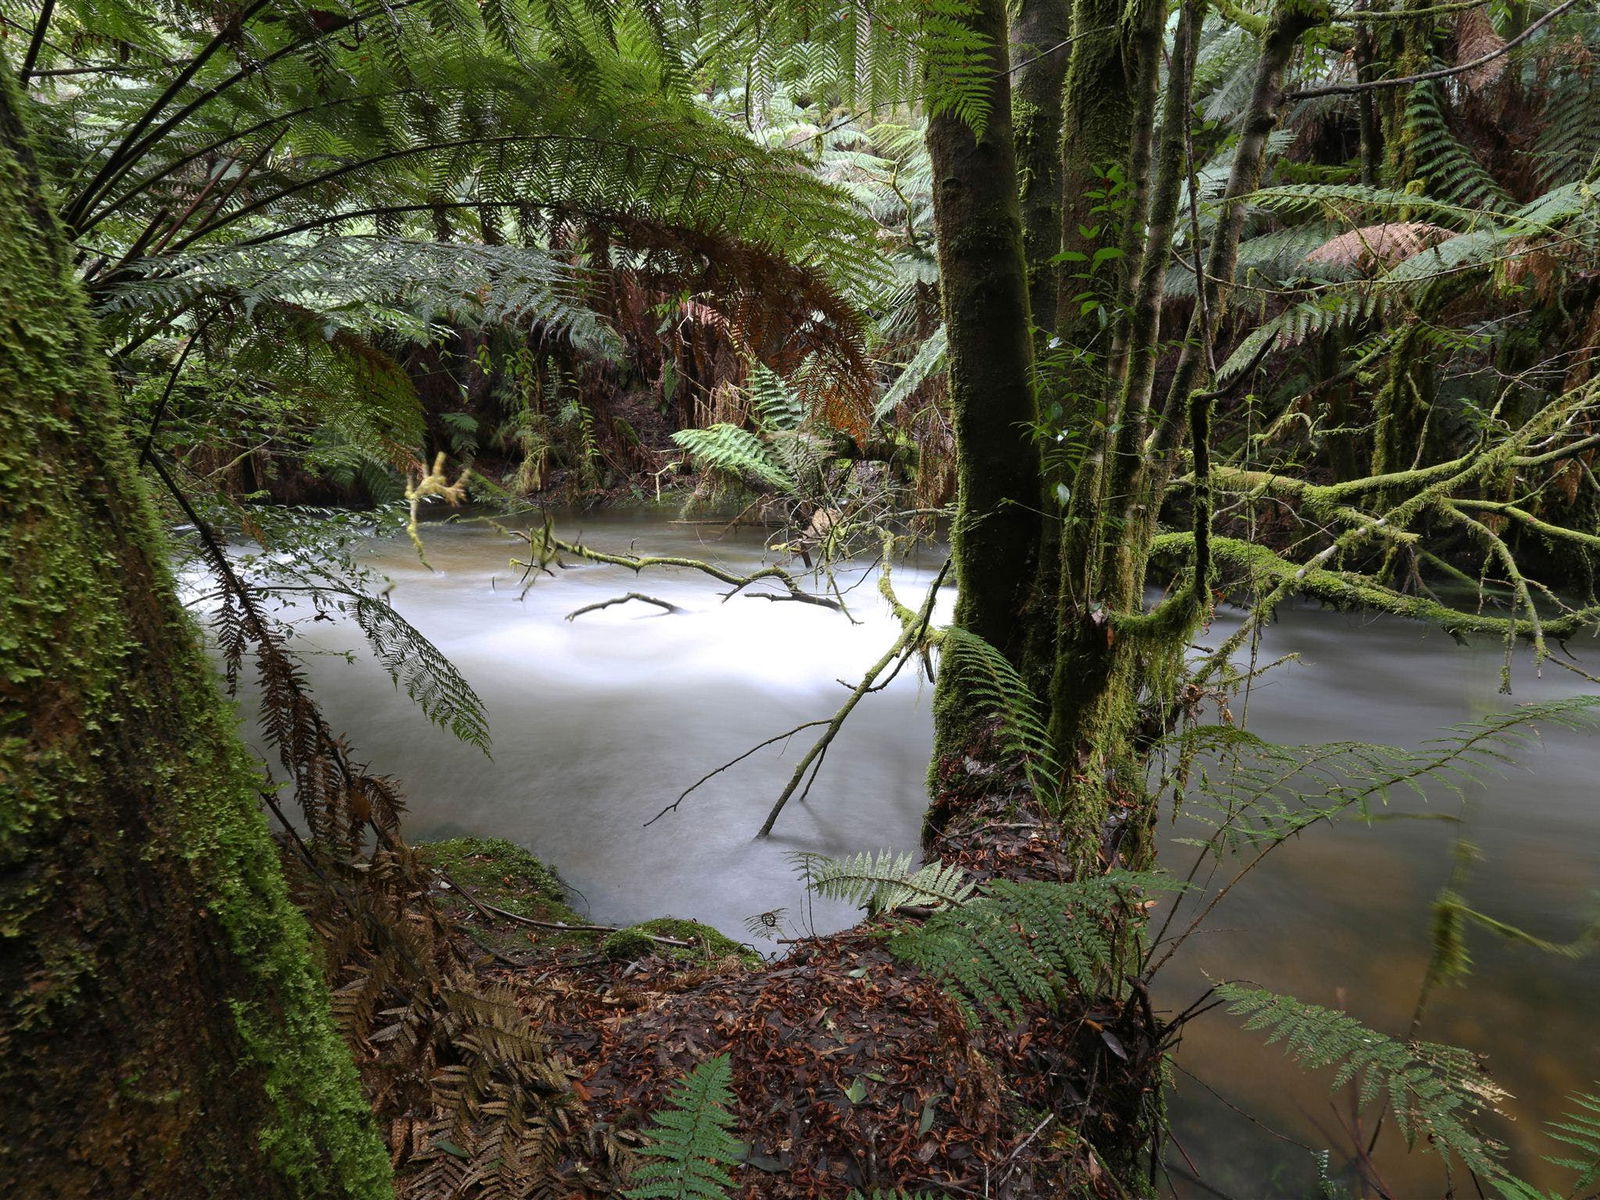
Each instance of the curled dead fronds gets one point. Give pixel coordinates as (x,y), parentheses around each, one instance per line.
(1381,245)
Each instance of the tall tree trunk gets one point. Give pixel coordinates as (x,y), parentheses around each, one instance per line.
(163,1032)
(1101,102)
(978,228)
(1039,49)
(1111,653)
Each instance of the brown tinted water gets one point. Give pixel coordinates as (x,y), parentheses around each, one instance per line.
(600,722)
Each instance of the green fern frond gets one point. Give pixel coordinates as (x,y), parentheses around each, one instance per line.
(1339,199)
(778,407)
(736,452)
(1257,792)
(428,677)
(1026,941)
(692,1150)
(1003,695)
(928,360)
(1435,1092)
(1580,1128)
(1450,169)
(882,881)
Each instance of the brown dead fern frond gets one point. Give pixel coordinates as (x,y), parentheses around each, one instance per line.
(1382,245)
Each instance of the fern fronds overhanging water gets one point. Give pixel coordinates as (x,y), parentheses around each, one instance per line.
(1434,1092)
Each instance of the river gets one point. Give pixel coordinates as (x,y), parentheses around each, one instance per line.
(601,722)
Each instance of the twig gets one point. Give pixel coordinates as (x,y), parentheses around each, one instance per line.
(798,597)
(913,633)
(1352,89)
(588,608)
(487,909)
(788,733)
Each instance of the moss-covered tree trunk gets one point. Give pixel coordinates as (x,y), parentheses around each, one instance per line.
(1039,45)
(978,226)
(163,1032)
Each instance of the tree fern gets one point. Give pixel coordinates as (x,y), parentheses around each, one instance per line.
(1435,1092)
(1450,169)
(882,881)
(692,1151)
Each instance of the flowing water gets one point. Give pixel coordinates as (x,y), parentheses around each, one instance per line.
(601,722)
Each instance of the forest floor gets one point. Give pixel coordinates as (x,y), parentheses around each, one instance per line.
(851,1070)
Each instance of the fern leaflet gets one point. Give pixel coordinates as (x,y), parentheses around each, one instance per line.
(884,880)
(692,1149)
(1434,1091)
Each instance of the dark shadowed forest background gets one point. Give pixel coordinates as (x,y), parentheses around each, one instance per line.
(1056,539)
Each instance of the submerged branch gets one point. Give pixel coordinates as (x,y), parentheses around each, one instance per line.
(549,547)
(640,596)
(914,633)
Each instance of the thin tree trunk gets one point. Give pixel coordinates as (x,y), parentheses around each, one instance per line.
(1100,106)
(163,1032)
(1109,652)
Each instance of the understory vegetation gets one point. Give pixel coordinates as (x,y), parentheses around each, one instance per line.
(1139,306)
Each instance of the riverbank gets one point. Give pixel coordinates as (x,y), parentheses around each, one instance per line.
(850,1068)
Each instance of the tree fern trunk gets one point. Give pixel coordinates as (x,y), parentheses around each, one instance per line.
(163,1032)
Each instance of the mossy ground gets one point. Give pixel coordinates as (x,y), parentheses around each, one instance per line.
(507,876)
(707,945)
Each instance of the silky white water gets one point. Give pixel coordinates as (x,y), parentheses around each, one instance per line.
(599,723)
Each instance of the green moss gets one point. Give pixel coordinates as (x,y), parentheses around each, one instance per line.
(509,877)
(708,944)
(126,782)
(504,874)
(625,945)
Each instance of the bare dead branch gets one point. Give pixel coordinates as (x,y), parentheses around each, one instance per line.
(588,608)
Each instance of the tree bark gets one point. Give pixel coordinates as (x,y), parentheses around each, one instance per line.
(163,1032)
(1039,48)
(978,228)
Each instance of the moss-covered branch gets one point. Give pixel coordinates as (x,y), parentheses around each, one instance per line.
(1265,570)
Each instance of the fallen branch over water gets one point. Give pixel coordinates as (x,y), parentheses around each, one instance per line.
(596,607)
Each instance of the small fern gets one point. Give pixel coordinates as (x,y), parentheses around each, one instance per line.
(693,1150)
(996,686)
(1579,1127)
(1026,941)
(1435,1092)
(885,880)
